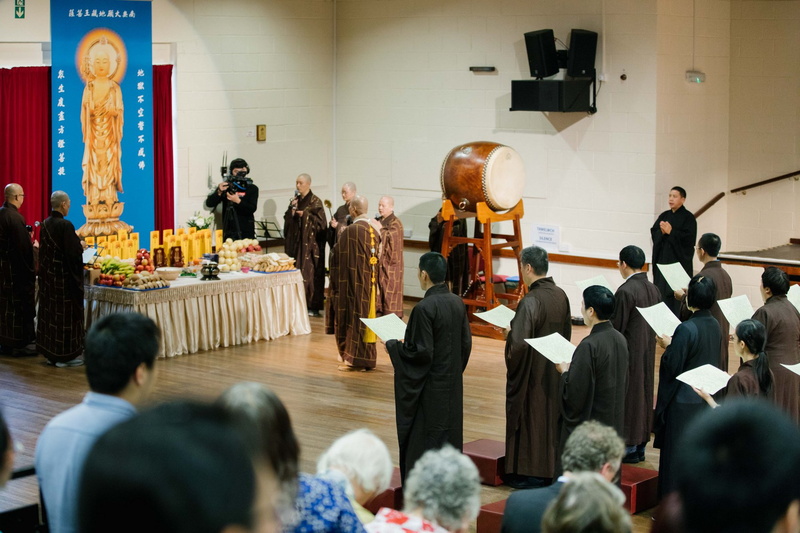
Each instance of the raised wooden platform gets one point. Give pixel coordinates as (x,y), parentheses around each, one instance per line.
(640,486)
(490,519)
(391,497)
(490,457)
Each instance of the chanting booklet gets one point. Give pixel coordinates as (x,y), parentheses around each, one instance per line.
(660,318)
(554,347)
(501,316)
(793,368)
(597,280)
(89,255)
(736,309)
(387,327)
(794,296)
(707,378)
(675,275)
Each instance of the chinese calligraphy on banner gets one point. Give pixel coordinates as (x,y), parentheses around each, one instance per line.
(102,112)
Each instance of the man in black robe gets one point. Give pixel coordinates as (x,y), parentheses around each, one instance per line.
(636,291)
(708,248)
(428,366)
(674,234)
(304,226)
(59,330)
(239,199)
(17,277)
(594,383)
(532,401)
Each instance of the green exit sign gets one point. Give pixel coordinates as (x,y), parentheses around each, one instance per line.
(19,9)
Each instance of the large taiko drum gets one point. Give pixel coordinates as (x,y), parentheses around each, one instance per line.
(483,172)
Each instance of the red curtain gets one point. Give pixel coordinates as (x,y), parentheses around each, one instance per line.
(25,136)
(164,179)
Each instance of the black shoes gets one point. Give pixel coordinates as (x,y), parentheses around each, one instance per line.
(634,457)
(516,481)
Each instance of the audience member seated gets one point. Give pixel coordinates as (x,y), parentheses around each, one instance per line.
(738,470)
(119,353)
(178,468)
(442,493)
(307,504)
(359,462)
(6,452)
(587,504)
(592,447)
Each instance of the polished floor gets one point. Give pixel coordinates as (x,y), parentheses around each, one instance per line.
(323,402)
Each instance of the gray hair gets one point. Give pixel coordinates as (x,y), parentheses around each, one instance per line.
(350,186)
(587,502)
(362,457)
(445,487)
(590,446)
(536,257)
(58,198)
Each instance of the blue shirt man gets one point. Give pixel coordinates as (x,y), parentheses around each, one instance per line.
(119,354)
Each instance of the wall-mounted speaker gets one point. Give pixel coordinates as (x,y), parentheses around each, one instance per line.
(541,47)
(582,52)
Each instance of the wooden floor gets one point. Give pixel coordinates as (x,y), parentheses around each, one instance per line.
(323,402)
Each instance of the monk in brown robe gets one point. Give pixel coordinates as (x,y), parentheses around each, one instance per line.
(782,321)
(339,221)
(17,277)
(354,288)
(594,383)
(636,291)
(304,225)
(390,271)
(532,399)
(60,331)
(708,248)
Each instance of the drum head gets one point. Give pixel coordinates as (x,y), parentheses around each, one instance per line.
(503,179)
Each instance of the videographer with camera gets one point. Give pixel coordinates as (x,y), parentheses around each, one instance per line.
(239,197)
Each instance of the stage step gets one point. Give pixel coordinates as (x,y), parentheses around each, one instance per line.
(490,457)
(491,517)
(391,497)
(640,486)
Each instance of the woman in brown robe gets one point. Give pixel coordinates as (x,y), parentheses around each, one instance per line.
(782,321)
(754,378)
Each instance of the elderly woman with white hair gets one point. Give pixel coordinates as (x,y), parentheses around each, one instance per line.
(360,463)
(442,493)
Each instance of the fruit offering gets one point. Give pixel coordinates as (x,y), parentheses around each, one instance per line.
(143,262)
(115,265)
(112,280)
(144,280)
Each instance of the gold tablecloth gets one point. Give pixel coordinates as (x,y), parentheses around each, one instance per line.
(199,315)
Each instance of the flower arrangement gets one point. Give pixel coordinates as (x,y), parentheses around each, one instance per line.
(199,222)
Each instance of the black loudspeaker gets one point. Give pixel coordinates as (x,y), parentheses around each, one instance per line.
(550,95)
(541,46)
(582,52)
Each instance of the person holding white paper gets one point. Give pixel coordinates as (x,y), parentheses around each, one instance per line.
(637,291)
(428,367)
(782,321)
(594,384)
(754,378)
(532,406)
(696,343)
(708,248)
(674,234)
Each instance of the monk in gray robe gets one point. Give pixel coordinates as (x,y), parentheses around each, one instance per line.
(636,291)
(60,330)
(354,288)
(428,366)
(594,383)
(532,401)
(782,321)
(304,229)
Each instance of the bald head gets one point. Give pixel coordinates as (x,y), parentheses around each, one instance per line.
(12,190)
(305,178)
(58,199)
(386,206)
(348,191)
(358,206)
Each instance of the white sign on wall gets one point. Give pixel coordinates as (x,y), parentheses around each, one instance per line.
(547,237)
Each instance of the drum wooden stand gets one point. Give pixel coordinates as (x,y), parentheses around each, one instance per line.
(483,249)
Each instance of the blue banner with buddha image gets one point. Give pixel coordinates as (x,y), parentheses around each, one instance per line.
(102,113)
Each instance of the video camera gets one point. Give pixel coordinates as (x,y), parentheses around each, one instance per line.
(237,183)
